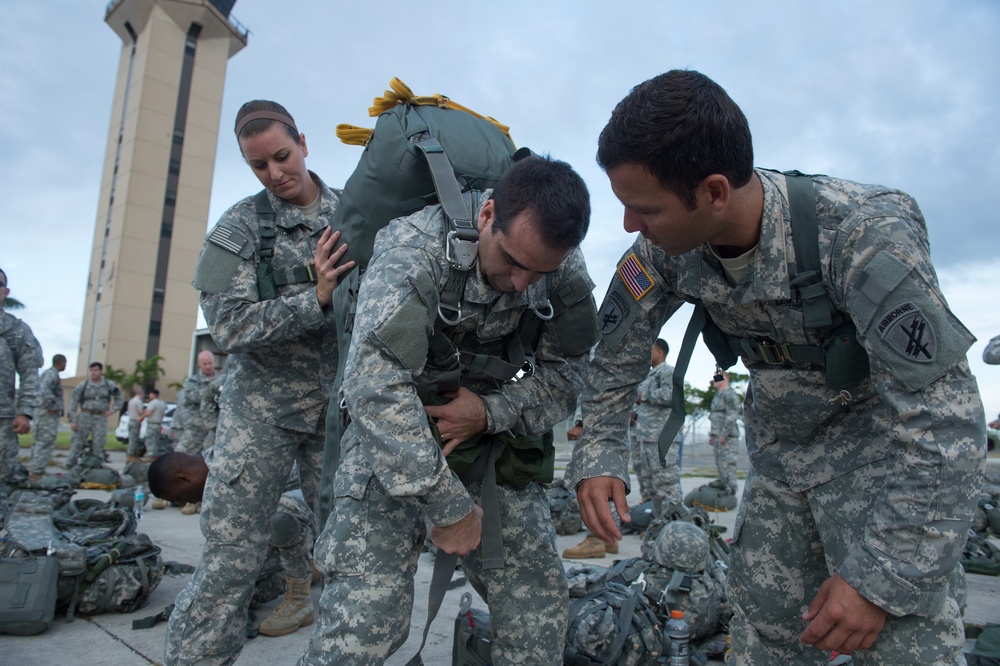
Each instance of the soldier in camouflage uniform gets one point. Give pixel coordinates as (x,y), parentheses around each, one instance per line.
(96,398)
(663,482)
(47,414)
(280,361)
(210,397)
(180,477)
(724,435)
(193,440)
(393,473)
(20,358)
(858,502)
(134,408)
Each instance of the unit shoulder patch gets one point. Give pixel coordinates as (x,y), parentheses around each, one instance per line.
(906,330)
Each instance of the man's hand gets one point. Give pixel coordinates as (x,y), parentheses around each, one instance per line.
(994,424)
(459,419)
(712,439)
(325,262)
(574,433)
(841,619)
(462,537)
(22,424)
(593,495)
(73,426)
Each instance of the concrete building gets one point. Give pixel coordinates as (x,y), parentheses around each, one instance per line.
(157,178)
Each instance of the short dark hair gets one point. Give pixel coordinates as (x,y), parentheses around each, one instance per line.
(161,473)
(552,193)
(662,345)
(58,358)
(154,392)
(4,274)
(261,125)
(96,364)
(683,127)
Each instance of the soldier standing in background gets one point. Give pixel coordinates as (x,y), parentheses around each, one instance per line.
(724,433)
(96,398)
(46,424)
(134,409)
(193,441)
(20,358)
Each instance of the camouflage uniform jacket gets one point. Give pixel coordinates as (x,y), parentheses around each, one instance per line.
(280,358)
(97,397)
(194,386)
(725,412)
(920,412)
(19,356)
(210,394)
(657,392)
(991,354)
(388,357)
(50,392)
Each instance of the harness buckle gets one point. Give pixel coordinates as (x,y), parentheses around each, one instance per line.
(454,310)
(774,353)
(461,253)
(546,313)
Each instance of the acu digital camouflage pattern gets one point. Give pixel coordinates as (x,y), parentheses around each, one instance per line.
(596,623)
(210,396)
(19,358)
(392,474)
(725,411)
(900,470)
(193,438)
(991,354)
(662,481)
(271,413)
(45,425)
(563,508)
(91,399)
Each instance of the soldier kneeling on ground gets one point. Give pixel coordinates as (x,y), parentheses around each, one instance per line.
(180,477)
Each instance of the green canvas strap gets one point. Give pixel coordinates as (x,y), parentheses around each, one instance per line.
(492,541)
(677,411)
(808,280)
(267,233)
(624,616)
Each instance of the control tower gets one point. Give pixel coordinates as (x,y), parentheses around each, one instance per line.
(152,213)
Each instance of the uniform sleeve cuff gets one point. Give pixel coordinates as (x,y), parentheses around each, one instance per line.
(886,589)
(499,416)
(448,503)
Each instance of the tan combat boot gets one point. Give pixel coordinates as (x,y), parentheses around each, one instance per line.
(191,509)
(160,504)
(590,547)
(295,611)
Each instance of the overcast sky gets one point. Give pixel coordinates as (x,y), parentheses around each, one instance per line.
(902,93)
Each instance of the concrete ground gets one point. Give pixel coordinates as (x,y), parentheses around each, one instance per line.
(110,639)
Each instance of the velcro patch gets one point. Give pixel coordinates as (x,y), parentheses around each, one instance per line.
(636,279)
(229,239)
(906,330)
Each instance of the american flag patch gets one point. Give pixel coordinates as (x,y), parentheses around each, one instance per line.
(635,277)
(227,238)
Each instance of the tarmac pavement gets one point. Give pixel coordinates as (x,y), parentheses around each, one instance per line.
(110,639)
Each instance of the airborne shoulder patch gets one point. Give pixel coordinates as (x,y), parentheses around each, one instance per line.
(637,280)
(906,330)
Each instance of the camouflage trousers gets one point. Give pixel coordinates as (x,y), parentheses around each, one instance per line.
(786,544)
(92,427)
(664,481)
(248,470)
(136,447)
(155,443)
(45,427)
(641,471)
(368,552)
(725,461)
(289,553)
(192,440)
(8,448)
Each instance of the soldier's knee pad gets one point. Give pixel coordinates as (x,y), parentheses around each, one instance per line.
(285,530)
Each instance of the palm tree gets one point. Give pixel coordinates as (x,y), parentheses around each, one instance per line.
(11,303)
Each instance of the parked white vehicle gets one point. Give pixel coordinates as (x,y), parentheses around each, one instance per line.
(121,432)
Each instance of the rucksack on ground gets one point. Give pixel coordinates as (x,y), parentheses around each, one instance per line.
(95,475)
(104,565)
(564,508)
(473,635)
(613,624)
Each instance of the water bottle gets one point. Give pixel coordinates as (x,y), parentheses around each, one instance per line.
(137,501)
(679,638)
